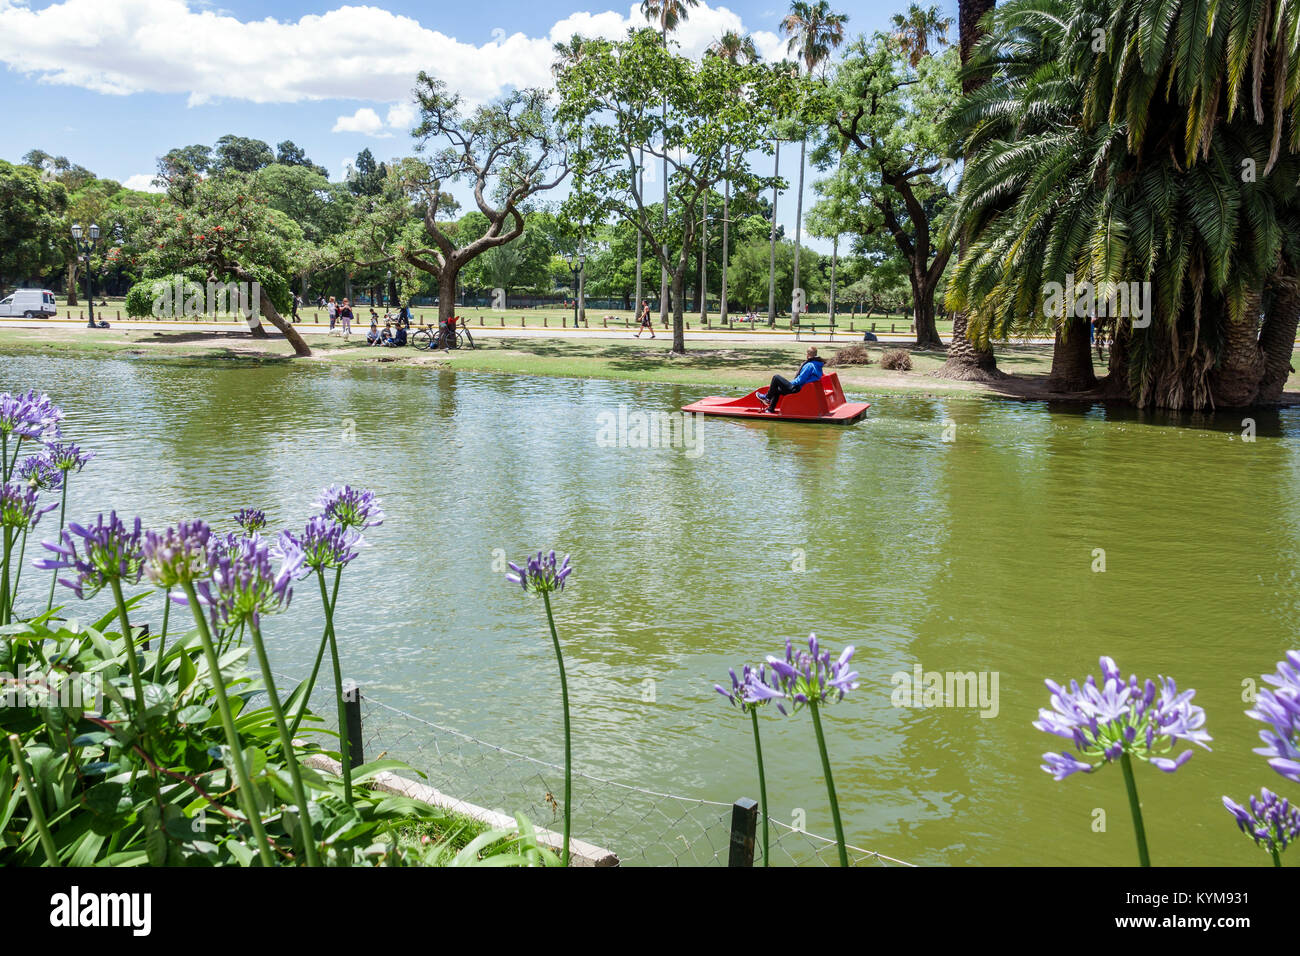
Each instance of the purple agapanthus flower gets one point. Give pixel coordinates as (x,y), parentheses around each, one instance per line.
(324,543)
(30,415)
(40,472)
(750,690)
(543,574)
(252,520)
(244,584)
(106,551)
(1272,822)
(350,507)
(1280,709)
(810,676)
(1115,718)
(67,457)
(20,507)
(178,556)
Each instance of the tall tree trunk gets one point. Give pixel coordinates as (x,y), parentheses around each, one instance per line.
(640,239)
(923,285)
(796,300)
(663,270)
(835,258)
(1235,380)
(1072,358)
(447,291)
(726,240)
(966,361)
(679,324)
(72,283)
(1277,339)
(300,347)
(771,262)
(704,263)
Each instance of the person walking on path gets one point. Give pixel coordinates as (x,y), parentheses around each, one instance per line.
(333,309)
(644,321)
(297,302)
(345,317)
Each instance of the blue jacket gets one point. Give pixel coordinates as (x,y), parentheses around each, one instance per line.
(810,371)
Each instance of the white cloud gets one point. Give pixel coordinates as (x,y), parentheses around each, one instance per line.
(143,182)
(365,120)
(119,47)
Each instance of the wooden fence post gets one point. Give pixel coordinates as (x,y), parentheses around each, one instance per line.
(352,711)
(744,821)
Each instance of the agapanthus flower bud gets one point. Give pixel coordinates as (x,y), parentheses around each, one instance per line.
(350,507)
(1272,822)
(40,472)
(542,575)
(30,415)
(244,584)
(108,550)
(1104,723)
(67,457)
(20,508)
(252,520)
(179,556)
(1280,709)
(810,676)
(323,544)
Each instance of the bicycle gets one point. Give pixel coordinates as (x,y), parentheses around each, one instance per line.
(427,337)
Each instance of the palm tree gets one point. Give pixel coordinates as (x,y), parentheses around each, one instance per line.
(966,360)
(1145,183)
(735,49)
(814,31)
(668,14)
(914,31)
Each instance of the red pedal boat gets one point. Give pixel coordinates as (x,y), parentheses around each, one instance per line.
(820,401)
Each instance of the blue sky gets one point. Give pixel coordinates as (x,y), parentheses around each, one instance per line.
(113,84)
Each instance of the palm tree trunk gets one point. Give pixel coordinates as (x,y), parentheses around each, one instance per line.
(796,301)
(1072,358)
(1236,378)
(771,266)
(966,361)
(1277,339)
(726,239)
(835,258)
(704,263)
(640,188)
(663,270)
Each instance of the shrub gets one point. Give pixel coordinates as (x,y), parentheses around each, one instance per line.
(898,359)
(141,296)
(850,355)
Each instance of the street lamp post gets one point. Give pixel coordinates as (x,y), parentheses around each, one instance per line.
(86,246)
(576,264)
(388,289)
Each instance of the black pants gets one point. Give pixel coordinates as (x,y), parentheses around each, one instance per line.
(780,386)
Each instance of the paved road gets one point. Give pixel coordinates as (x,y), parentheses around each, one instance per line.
(762,336)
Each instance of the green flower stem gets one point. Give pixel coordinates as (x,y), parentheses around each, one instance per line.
(1126,764)
(762,787)
(33,802)
(246,795)
(54,575)
(830,784)
(290,758)
(137,683)
(4,575)
(320,652)
(1277,858)
(162,638)
(18,570)
(345,751)
(568,738)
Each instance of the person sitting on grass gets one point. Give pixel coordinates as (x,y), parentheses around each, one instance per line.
(398,338)
(372,337)
(810,371)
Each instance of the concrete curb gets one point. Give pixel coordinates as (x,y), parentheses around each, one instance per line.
(580,853)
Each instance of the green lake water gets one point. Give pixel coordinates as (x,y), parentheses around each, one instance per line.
(970,554)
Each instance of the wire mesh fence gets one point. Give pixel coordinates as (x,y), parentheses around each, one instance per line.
(642,827)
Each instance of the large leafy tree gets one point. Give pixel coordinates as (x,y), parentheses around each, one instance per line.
(888,189)
(608,94)
(506,153)
(734,48)
(230,232)
(241,154)
(31,223)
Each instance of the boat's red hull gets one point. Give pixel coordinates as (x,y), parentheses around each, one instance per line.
(820,401)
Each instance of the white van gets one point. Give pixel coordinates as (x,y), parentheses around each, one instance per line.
(29,303)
